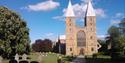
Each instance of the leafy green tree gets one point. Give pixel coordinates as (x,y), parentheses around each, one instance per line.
(117,40)
(120,43)
(42,45)
(14,34)
(113,31)
(103,46)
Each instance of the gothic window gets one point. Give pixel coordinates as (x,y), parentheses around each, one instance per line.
(92,49)
(81,41)
(91,37)
(70,49)
(90,23)
(70,29)
(70,24)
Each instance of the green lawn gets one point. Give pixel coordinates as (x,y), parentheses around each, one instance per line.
(50,58)
(99,59)
(5,61)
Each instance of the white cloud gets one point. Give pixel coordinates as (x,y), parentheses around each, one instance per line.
(116,18)
(49,34)
(119,15)
(43,6)
(100,12)
(80,10)
(60,18)
(115,22)
(102,37)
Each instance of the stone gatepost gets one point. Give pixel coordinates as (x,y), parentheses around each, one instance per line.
(40,57)
(24,57)
(1,59)
(17,57)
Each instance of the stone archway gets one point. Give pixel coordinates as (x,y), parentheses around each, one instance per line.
(81,51)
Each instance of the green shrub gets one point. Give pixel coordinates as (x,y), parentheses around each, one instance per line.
(101,53)
(95,55)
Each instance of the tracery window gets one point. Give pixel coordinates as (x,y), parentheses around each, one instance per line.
(81,40)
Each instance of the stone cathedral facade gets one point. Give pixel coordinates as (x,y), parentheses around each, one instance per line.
(81,40)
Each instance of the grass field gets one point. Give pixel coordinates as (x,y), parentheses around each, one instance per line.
(50,58)
(98,59)
(101,59)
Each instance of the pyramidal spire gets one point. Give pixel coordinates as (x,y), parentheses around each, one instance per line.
(69,11)
(90,10)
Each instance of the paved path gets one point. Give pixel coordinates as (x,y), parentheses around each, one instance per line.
(79,59)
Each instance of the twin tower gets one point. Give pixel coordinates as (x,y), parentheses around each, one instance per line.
(81,40)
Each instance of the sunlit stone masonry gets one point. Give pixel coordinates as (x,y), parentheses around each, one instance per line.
(81,40)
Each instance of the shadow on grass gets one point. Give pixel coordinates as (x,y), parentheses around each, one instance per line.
(34,62)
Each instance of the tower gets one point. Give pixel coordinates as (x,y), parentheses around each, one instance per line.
(90,24)
(81,40)
(70,26)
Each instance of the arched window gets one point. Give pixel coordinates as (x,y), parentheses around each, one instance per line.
(92,49)
(81,40)
(91,37)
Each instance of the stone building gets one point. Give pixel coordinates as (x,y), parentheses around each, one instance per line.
(62,39)
(81,40)
(62,44)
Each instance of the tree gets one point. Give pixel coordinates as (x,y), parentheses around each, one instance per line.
(36,45)
(42,45)
(114,33)
(122,26)
(103,46)
(14,34)
(117,41)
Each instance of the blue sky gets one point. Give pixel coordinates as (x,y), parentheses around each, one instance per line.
(45,18)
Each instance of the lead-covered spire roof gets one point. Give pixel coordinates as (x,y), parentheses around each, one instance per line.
(69,11)
(90,10)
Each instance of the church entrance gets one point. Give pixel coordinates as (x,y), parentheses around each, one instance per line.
(81,51)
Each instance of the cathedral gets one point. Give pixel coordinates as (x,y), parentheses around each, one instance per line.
(81,40)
